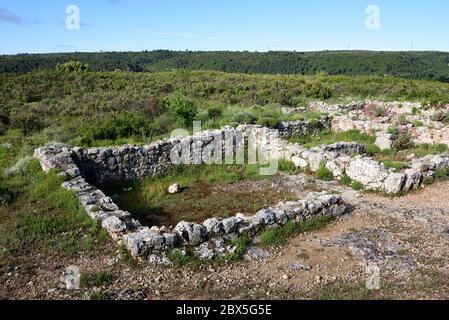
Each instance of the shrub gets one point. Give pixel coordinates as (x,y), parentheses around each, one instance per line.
(268,122)
(442,174)
(416,111)
(403,141)
(28,122)
(182,110)
(441,116)
(126,124)
(72,66)
(214,113)
(6,195)
(244,117)
(323,173)
(357,186)
(319,90)
(19,168)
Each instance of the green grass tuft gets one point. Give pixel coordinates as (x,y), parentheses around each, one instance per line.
(279,236)
(323,173)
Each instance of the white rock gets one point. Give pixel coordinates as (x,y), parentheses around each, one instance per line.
(174,188)
(395,183)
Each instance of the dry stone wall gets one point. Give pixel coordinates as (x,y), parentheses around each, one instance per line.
(86,169)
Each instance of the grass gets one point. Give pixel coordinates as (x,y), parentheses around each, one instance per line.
(326,137)
(279,236)
(345,180)
(398,159)
(344,291)
(288,167)
(41,216)
(394,165)
(357,186)
(95,279)
(190,260)
(206,191)
(323,173)
(97,295)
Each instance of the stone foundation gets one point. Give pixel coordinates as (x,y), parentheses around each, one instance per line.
(88,168)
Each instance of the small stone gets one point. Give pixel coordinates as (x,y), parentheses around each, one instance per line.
(174,188)
(301,266)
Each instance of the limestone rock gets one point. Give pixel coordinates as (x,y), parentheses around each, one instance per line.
(367,171)
(385,141)
(192,233)
(395,183)
(255,254)
(113,225)
(174,188)
(143,242)
(230,225)
(266,216)
(213,226)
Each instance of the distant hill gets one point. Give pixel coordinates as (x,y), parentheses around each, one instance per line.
(413,65)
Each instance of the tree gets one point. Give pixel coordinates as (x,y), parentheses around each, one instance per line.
(72,66)
(182,110)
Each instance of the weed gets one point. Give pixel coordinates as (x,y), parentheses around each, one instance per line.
(357,186)
(346,180)
(323,173)
(279,236)
(97,295)
(95,279)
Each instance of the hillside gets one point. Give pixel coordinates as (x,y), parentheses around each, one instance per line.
(412,65)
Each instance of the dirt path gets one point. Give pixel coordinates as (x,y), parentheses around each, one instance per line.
(406,239)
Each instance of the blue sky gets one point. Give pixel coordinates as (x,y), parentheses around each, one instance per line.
(254,25)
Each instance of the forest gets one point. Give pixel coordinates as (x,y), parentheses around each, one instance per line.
(412,65)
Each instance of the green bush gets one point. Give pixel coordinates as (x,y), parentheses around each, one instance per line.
(28,122)
(244,117)
(126,124)
(403,141)
(72,66)
(214,113)
(323,173)
(182,110)
(268,122)
(319,90)
(442,174)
